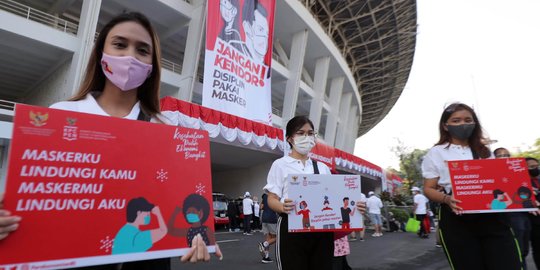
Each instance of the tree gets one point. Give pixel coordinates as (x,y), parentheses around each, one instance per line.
(533,151)
(410,163)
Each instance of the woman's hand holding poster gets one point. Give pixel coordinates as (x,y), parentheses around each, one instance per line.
(492,185)
(95,190)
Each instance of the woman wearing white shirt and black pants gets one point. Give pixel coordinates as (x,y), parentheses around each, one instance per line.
(298,250)
(471,241)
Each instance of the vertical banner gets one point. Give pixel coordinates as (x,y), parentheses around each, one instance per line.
(238,58)
(95,190)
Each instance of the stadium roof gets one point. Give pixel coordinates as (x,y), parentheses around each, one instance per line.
(377,39)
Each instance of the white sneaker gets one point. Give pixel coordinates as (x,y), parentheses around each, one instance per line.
(375,235)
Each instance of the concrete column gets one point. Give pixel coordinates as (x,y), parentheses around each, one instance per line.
(85,38)
(319,87)
(344,111)
(351,137)
(281,52)
(192,52)
(296,62)
(336,89)
(349,125)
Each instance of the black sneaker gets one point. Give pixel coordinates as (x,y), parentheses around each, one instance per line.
(267,260)
(262,250)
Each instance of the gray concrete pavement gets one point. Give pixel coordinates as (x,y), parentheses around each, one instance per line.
(392,251)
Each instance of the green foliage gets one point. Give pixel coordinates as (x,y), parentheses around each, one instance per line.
(400,215)
(386,197)
(410,163)
(401,199)
(532,152)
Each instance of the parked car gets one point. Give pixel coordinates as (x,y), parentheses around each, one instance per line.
(219,202)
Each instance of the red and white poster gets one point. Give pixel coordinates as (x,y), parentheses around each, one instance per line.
(238,58)
(96,190)
(324,202)
(492,185)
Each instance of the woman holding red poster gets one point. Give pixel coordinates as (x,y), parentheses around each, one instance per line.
(471,241)
(122,80)
(310,250)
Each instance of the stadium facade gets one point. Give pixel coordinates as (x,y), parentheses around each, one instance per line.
(342,63)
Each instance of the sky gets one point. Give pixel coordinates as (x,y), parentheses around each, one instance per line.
(484,53)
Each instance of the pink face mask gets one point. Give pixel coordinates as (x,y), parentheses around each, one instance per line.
(126,72)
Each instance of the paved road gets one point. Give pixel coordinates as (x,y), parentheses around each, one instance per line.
(393,251)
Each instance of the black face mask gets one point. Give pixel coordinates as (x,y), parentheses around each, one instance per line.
(461,132)
(534,172)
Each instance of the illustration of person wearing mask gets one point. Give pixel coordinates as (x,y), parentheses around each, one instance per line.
(304,211)
(525,197)
(129,238)
(499,201)
(255,23)
(229,33)
(196,210)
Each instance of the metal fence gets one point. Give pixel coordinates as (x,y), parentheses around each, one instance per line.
(39,16)
(7,105)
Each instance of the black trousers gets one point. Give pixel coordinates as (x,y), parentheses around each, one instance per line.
(478,241)
(535,239)
(155,264)
(233,223)
(340,263)
(247,223)
(256,223)
(423,230)
(298,251)
(522,229)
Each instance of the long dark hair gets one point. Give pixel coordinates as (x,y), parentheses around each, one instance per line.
(476,139)
(198,202)
(295,124)
(94,80)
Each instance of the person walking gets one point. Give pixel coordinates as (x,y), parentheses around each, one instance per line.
(232,214)
(256,214)
(420,210)
(374,205)
(269,220)
(470,241)
(534,174)
(247,209)
(361,233)
(521,225)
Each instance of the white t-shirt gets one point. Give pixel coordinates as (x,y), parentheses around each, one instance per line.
(90,105)
(420,201)
(246,206)
(435,163)
(363,197)
(256,209)
(374,205)
(284,166)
